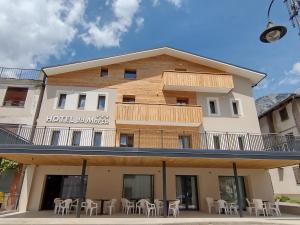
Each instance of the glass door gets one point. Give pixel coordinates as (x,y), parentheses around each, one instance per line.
(228,189)
(186,191)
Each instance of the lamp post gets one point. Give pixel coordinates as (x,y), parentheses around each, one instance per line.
(275,32)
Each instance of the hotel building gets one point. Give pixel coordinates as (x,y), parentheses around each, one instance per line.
(157,124)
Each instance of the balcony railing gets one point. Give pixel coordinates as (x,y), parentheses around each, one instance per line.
(142,138)
(159,114)
(196,81)
(20,74)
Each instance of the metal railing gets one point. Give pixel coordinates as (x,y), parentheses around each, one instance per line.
(20,74)
(143,138)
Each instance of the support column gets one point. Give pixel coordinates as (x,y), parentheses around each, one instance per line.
(237,189)
(81,190)
(164,182)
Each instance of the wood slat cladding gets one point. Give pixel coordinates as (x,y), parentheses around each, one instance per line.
(159,113)
(197,80)
(147,87)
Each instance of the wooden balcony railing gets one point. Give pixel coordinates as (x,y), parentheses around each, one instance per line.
(199,82)
(158,114)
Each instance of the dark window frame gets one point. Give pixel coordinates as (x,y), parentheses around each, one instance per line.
(104,72)
(283,113)
(217,144)
(128,99)
(15,103)
(94,138)
(100,108)
(59,101)
(130,74)
(214,111)
(182,101)
(128,135)
(52,137)
(189,138)
(79,100)
(74,138)
(235,107)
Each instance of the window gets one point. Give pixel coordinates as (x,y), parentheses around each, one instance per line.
(55,137)
(136,187)
(130,74)
(236,107)
(213,106)
(81,101)
(283,114)
(126,140)
(182,101)
(97,139)
(129,99)
(101,102)
(184,141)
(76,138)
(103,72)
(61,101)
(216,140)
(15,96)
(241,143)
(296,170)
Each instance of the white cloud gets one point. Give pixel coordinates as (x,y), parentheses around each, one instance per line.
(31,31)
(296,69)
(292,77)
(110,34)
(139,23)
(176,3)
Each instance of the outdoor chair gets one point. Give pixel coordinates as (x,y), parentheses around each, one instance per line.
(64,207)
(140,206)
(233,208)
(222,205)
(74,205)
(174,208)
(128,206)
(250,206)
(91,206)
(150,209)
(159,206)
(274,208)
(109,206)
(210,204)
(259,206)
(57,202)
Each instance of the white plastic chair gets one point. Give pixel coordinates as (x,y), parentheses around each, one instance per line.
(140,206)
(174,208)
(233,208)
(57,202)
(222,205)
(129,206)
(64,207)
(259,206)
(159,206)
(74,204)
(110,206)
(91,206)
(250,207)
(150,208)
(210,204)
(274,208)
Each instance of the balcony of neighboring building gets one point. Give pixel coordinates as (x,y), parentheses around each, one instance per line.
(197,81)
(20,74)
(159,114)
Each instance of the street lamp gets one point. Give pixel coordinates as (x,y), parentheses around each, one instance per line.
(275,32)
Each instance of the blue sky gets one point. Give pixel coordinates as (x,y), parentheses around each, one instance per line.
(225,30)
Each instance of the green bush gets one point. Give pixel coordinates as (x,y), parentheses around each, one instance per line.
(6,164)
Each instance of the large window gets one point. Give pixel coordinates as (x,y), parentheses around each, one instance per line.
(136,187)
(128,98)
(101,102)
(126,140)
(76,138)
(216,140)
(15,96)
(81,101)
(283,114)
(130,74)
(61,101)
(55,137)
(184,141)
(97,139)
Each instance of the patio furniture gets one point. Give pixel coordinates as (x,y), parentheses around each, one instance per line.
(259,206)
(91,206)
(174,208)
(57,202)
(128,206)
(109,206)
(274,208)
(150,208)
(140,206)
(222,205)
(74,204)
(159,206)
(64,207)
(210,204)
(250,206)
(233,208)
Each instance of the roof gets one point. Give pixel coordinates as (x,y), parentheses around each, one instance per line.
(252,75)
(269,103)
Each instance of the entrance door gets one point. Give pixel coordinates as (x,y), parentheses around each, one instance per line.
(228,189)
(186,191)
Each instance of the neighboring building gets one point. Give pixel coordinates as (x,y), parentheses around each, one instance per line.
(156,124)
(281,114)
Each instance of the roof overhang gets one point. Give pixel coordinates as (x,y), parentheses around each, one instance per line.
(66,155)
(252,75)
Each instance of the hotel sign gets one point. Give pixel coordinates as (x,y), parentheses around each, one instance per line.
(97,120)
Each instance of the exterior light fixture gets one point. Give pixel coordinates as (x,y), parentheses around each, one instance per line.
(275,32)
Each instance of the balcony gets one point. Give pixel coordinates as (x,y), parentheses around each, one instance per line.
(197,82)
(158,114)
(20,74)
